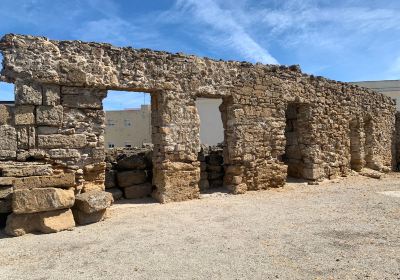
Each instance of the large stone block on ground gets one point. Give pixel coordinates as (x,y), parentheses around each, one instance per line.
(44,222)
(176,181)
(116,193)
(83,218)
(63,180)
(10,169)
(129,178)
(138,191)
(40,200)
(95,201)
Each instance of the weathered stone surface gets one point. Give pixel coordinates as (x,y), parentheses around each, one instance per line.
(9,169)
(82,98)
(7,155)
(135,161)
(64,153)
(5,192)
(5,206)
(51,95)
(132,177)
(26,136)
(6,115)
(61,141)
(95,201)
(116,193)
(111,179)
(28,94)
(44,222)
(24,115)
(138,191)
(83,218)
(63,180)
(6,181)
(49,115)
(90,186)
(8,138)
(41,200)
(371,173)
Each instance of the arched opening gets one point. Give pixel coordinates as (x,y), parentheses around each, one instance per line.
(128,144)
(211,154)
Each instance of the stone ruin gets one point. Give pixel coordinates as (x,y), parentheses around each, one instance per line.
(278,122)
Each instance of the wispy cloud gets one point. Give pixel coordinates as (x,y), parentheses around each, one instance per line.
(221,28)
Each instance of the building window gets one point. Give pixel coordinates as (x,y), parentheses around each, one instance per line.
(110,145)
(110,122)
(127,123)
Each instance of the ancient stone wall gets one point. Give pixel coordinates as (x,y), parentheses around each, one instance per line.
(267,112)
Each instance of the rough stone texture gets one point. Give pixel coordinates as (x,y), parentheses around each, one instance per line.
(6,115)
(95,201)
(60,180)
(5,192)
(41,200)
(116,193)
(132,177)
(83,218)
(44,222)
(138,191)
(11,169)
(277,120)
(5,206)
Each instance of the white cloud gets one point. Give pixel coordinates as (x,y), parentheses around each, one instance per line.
(221,28)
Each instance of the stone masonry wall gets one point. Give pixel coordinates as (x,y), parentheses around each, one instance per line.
(59,120)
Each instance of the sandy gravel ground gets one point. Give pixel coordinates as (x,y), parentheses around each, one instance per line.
(346,229)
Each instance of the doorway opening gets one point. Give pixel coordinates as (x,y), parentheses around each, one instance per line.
(295,129)
(356,158)
(369,142)
(128,144)
(211,154)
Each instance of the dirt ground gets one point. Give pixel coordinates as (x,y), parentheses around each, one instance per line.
(345,229)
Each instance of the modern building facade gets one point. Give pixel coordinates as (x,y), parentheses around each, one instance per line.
(128,128)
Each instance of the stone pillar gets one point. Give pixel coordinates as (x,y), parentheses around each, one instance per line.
(176,128)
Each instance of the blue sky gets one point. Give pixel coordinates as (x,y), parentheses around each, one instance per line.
(346,40)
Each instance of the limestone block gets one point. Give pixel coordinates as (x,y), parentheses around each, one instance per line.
(41,200)
(8,138)
(111,179)
(63,180)
(6,181)
(6,115)
(138,191)
(132,177)
(116,193)
(49,115)
(45,130)
(53,141)
(7,155)
(5,206)
(26,136)
(25,169)
(5,192)
(51,95)
(64,153)
(84,100)
(91,202)
(136,161)
(32,154)
(94,172)
(83,218)
(28,94)
(44,222)
(24,115)
(89,186)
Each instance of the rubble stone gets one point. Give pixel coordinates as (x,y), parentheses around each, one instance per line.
(64,180)
(132,177)
(44,222)
(83,218)
(91,202)
(41,200)
(138,191)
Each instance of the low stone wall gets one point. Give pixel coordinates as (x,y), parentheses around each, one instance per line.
(211,166)
(129,172)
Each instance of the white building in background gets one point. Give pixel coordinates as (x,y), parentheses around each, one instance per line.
(390,88)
